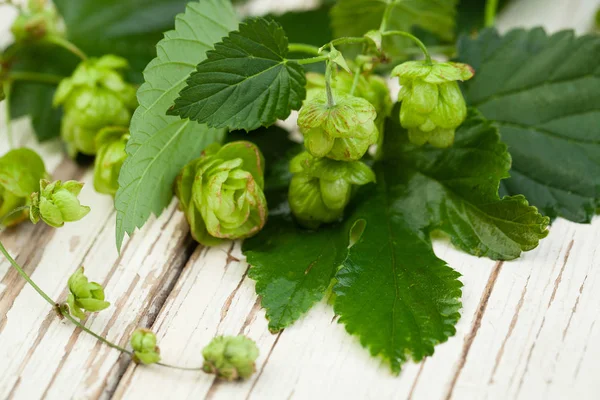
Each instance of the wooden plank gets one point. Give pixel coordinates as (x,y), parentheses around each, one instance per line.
(35,346)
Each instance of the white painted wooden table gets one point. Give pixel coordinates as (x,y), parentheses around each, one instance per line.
(528,329)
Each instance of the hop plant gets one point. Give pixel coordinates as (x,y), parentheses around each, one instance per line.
(57,203)
(321,188)
(145,350)
(84,295)
(94,97)
(221,193)
(230,357)
(432,103)
(372,88)
(20,173)
(343,131)
(110,142)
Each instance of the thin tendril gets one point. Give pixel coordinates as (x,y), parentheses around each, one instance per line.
(65,44)
(413,38)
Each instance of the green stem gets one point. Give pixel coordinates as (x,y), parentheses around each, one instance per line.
(311,60)
(7,94)
(303,48)
(328,74)
(64,43)
(64,311)
(386,16)
(68,316)
(35,77)
(346,40)
(357,73)
(491,8)
(18,267)
(414,39)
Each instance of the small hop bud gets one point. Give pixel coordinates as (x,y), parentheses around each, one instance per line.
(110,142)
(343,131)
(221,193)
(57,203)
(20,173)
(35,23)
(432,103)
(145,350)
(94,97)
(84,295)
(230,357)
(321,188)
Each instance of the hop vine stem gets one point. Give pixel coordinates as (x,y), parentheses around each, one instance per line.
(491,8)
(65,44)
(7,92)
(62,310)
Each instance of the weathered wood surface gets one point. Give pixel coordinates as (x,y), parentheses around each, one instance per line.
(528,328)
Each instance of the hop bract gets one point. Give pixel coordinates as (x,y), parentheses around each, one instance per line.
(321,188)
(85,295)
(57,203)
(230,357)
(20,173)
(110,143)
(35,22)
(145,350)
(94,97)
(432,103)
(343,131)
(221,193)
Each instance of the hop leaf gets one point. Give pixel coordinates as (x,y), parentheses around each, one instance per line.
(343,131)
(20,174)
(57,203)
(85,295)
(144,346)
(110,143)
(94,97)
(321,188)
(432,103)
(230,357)
(221,193)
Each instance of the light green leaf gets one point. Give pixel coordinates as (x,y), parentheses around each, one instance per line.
(161,145)
(544,94)
(245,82)
(392,291)
(456,190)
(357,17)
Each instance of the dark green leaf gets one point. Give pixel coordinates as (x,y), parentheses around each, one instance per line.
(295,25)
(35,99)
(456,190)
(161,145)
(392,291)
(293,267)
(357,17)
(245,82)
(129,28)
(544,94)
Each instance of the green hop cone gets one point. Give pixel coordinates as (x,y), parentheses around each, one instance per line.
(35,23)
(432,103)
(110,142)
(57,203)
(84,295)
(94,97)
(145,350)
(321,188)
(20,173)
(221,193)
(230,357)
(343,131)
(372,88)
